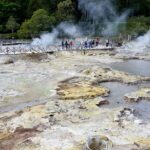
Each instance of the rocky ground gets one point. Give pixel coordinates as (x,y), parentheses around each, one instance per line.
(58,101)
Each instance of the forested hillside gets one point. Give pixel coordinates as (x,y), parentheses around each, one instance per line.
(28,18)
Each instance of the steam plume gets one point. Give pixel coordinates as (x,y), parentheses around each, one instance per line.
(141,44)
(68,29)
(100,18)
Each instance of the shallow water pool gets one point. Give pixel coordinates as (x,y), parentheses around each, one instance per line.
(118,90)
(137,67)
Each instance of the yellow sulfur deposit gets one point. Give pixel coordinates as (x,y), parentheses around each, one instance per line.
(77,91)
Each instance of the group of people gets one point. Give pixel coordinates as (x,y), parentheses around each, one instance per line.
(91,43)
(87,44)
(67,44)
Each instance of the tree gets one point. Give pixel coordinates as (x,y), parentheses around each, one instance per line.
(66,10)
(48,5)
(12,24)
(137,7)
(60,10)
(136,25)
(1,28)
(25,30)
(40,21)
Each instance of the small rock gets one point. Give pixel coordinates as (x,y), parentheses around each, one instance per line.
(116,119)
(82,107)
(103,102)
(138,121)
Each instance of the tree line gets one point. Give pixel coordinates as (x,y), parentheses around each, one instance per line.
(28,18)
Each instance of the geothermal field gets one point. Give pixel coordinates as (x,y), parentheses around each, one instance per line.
(75,100)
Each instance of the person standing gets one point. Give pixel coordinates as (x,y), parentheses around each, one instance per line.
(66,44)
(71,44)
(107,42)
(97,42)
(86,44)
(62,44)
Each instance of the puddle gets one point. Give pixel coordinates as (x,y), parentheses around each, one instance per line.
(118,90)
(143,110)
(137,67)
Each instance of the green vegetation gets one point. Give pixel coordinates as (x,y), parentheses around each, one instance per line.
(11,24)
(40,21)
(138,7)
(136,26)
(28,18)
(66,10)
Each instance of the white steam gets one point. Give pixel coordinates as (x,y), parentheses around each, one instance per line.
(141,44)
(47,39)
(112,27)
(100,17)
(103,15)
(70,29)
